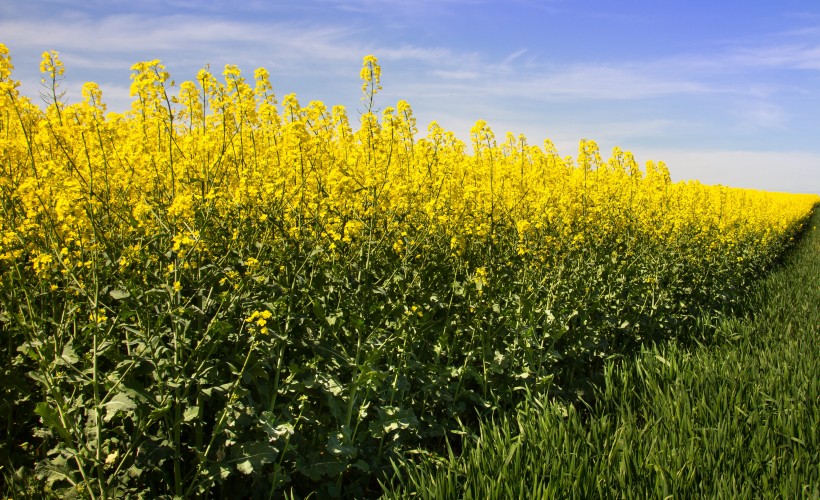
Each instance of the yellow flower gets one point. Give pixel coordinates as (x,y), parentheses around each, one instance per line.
(50,63)
(98,316)
(370,75)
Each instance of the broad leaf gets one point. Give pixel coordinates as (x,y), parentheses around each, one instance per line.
(51,419)
(120,402)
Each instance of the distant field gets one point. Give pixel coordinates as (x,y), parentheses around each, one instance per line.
(223,293)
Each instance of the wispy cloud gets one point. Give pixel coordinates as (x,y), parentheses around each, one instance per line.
(412,7)
(612,82)
(188,39)
(432,56)
(510,59)
(760,115)
(298,45)
(132,33)
(573,82)
(456,74)
(794,56)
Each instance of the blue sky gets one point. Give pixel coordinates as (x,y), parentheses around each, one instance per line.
(724,91)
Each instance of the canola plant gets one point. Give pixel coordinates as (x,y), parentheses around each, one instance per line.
(215,283)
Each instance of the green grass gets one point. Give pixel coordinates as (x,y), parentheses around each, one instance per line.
(735,417)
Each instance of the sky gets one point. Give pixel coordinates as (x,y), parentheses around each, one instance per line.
(725,92)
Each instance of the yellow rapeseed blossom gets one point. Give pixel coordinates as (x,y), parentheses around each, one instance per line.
(260,320)
(209,153)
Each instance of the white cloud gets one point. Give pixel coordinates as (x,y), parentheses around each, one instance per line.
(117,41)
(574,82)
(131,33)
(406,7)
(510,59)
(456,75)
(612,82)
(429,55)
(760,115)
(795,56)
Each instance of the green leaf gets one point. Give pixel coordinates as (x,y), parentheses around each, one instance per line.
(511,453)
(392,419)
(333,386)
(255,455)
(337,447)
(52,420)
(54,471)
(662,360)
(119,294)
(219,389)
(220,327)
(245,467)
(362,466)
(324,469)
(318,310)
(190,413)
(224,471)
(69,356)
(133,472)
(120,402)
(275,432)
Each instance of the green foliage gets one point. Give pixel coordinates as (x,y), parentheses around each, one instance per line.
(162,381)
(736,417)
